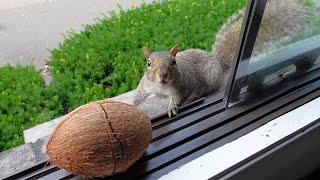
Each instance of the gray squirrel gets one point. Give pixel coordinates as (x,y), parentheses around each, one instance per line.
(186,76)
(182,77)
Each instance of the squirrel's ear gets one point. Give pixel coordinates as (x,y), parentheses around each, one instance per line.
(174,50)
(146,52)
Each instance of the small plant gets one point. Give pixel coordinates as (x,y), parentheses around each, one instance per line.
(24,102)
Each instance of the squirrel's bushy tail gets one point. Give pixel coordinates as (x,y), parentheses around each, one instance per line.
(282,19)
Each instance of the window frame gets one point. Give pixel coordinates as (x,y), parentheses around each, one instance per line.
(249,32)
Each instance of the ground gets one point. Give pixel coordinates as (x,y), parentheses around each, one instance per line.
(28,29)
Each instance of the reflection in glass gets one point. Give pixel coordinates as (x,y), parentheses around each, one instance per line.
(287,46)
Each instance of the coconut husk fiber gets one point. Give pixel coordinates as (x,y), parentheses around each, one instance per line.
(99,139)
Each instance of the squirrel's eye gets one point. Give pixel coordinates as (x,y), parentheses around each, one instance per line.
(149,62)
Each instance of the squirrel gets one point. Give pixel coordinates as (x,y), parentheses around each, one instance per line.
(182,77)
(186,76)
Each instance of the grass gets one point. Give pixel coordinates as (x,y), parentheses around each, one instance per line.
(24,102)
(104,60)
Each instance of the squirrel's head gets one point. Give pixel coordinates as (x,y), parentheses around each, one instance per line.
(161,65)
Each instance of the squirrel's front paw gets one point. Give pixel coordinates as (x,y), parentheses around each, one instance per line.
(172,108)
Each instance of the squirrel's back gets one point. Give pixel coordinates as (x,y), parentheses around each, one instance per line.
(200,74)
(282,20)
(205,67)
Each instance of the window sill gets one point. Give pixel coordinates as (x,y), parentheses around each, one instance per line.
(220,159)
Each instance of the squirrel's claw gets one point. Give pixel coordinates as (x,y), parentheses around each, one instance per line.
(169,113)
(172,109)
(172,112)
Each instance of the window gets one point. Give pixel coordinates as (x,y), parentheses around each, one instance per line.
(280,43)
(266,81)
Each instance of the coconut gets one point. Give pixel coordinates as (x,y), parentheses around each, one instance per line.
(99,139)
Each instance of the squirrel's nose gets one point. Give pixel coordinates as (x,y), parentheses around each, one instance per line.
(163,76)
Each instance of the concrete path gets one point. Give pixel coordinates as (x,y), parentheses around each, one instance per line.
(28,28)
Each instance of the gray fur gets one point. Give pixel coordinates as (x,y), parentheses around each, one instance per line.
(196,74)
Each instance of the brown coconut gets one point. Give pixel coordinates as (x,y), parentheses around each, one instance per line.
(100,139)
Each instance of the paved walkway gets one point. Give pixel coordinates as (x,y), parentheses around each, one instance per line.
(28,28)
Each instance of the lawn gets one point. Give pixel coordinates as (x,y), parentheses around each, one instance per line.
(24,102)
(104,60)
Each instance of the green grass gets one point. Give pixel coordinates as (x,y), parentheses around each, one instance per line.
(24,102)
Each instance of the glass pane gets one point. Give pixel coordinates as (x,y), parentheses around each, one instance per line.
(287,46)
